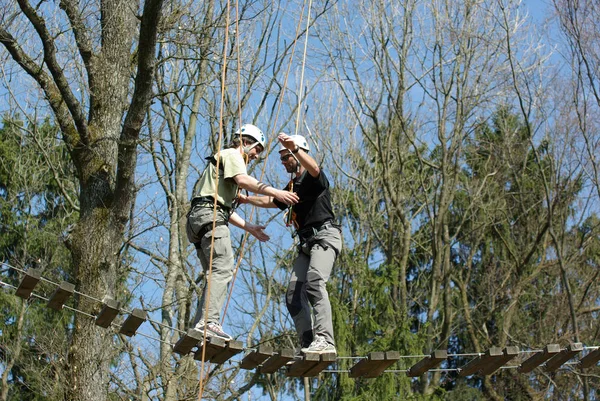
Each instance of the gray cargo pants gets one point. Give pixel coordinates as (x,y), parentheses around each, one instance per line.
(306,289)
(222,264)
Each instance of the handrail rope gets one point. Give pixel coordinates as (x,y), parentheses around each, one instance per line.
(263,170)
(239,90)
(465,354)
(287,73)
(122,310)
(115,325)
(206,296)
(303,67)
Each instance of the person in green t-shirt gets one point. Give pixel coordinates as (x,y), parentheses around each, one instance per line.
(224,175)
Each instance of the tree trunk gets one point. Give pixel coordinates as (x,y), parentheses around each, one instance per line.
(16,353)
(102,145)
(95,246)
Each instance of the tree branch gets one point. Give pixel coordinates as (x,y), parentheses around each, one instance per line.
(51,91)
(140,101)
(81,38)
(55,69)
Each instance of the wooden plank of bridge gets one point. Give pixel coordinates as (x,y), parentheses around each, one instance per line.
(60,295)
(233,348)
(475,365)
(391,357)
(185,344)
(493,365)
(256,357)
(301,365)
(591,359)
(108,313)
(213,347)
(538,358)
(276,361)
(430,362)
(133,322)
(28,283)
(563,356)
(364,365)
(326,360)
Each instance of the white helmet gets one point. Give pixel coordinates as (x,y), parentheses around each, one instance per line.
(300,141)
(253,132)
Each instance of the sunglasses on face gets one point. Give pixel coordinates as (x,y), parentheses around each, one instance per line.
(285,157)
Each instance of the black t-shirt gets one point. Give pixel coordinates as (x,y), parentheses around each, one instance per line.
(314,206)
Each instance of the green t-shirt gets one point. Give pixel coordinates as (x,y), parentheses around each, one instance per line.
(231,164)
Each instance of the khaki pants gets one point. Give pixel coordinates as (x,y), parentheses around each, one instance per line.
(307,299)
(222,264)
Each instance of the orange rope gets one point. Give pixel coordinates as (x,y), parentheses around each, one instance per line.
(212,241)
(239,65)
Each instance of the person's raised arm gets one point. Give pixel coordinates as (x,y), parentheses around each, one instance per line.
(303,158)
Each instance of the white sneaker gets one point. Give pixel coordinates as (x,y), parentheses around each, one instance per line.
(320,346)
(213,330)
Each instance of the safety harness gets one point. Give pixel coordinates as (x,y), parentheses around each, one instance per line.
(209,201)
(307,235)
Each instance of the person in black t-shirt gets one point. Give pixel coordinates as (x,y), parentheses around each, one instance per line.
(320,243)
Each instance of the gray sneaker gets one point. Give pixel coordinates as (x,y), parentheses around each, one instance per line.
(320,346)
(213,330)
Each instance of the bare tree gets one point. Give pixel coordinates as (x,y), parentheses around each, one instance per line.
(420,80)
(100,113)
(199,47)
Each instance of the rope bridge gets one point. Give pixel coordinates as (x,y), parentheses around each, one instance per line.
(268,360)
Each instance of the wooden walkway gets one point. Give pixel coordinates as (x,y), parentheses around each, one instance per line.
(266,360)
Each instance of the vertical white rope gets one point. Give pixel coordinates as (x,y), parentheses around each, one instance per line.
(303,67)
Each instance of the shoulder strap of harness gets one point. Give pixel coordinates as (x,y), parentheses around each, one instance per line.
(213,161)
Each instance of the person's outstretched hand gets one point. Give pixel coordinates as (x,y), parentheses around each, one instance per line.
(289,198)
(242,199)
(257,231)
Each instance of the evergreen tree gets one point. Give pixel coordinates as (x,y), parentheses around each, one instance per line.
(35,214)
(371,288)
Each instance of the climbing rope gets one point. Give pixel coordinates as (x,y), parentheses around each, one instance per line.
(215,197)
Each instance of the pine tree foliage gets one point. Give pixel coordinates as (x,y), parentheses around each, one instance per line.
(505,283)
(34,221)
